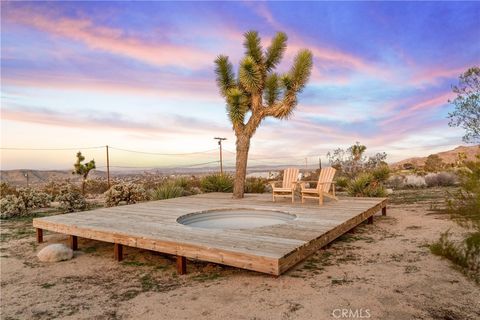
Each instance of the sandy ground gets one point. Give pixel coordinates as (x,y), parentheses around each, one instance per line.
(379,271)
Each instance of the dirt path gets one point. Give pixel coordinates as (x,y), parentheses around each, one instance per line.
(379,271)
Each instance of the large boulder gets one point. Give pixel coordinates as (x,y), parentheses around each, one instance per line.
(55,252)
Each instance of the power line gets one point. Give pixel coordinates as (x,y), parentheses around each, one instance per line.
(50,149)
(162,154)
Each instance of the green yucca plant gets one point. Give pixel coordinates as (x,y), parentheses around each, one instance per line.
(168,190)
(259,92)
(217,183)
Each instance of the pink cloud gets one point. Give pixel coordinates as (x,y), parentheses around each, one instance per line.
(171,124)
(113,40)
(196,88)
(422,105)
(431,75)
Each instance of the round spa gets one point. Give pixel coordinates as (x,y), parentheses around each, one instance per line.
(235,218)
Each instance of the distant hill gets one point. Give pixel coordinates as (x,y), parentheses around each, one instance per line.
(41,177)
(38,177)
(449,157)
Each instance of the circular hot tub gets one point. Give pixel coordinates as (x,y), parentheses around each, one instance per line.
(235,218)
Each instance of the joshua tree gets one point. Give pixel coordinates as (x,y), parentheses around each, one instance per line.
(83,169)
(258,92)
(357,151)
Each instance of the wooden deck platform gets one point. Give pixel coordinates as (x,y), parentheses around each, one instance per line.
(271,249)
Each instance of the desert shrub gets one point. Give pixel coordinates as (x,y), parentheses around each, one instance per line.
(71,199)
(34,199)
(217,183)
(414,181)
(6,189)
(255,185)
(11,206)
(442,179)
(381,173)
(96,186)
(396,182)
(341,182)
(365,185)
(54,188)
(464,208)
(464,205)
(167,190)
(21,204)
(434,163)
(124,192)
(465,254)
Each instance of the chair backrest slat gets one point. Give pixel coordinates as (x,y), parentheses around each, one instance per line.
(289,175)
(326,175)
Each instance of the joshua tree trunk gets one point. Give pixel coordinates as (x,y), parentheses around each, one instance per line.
(243,145)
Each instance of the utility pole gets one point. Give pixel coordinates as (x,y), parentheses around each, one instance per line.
(108,169)
(320,163)
(220,144)
(26,176)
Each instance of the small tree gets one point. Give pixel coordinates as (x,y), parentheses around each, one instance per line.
(259,92)
(467,105)
(433,163)
(83,169)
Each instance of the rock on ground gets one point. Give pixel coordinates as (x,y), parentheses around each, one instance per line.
(55,252)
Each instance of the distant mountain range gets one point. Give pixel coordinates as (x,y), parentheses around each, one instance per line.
(448,157)
(39,177)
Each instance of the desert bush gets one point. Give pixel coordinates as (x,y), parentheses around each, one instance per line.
(464,208)
(341,182)
(255,185)
(217,183)
(396,182)
(6,189)
(381,173)
(96,186)
(415,181)
(442,179)
(34,199)
(21,204)
(464,205)
(365,185)
(465,253)
(167,190)
(124,192)
(71,199)
(54,188)
(434,163)
(11,206)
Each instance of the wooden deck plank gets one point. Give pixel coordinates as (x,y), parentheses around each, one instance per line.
(271,249)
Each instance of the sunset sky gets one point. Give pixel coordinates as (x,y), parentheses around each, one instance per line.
(139,76)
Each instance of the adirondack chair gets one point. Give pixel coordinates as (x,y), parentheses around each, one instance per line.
(325,186)
(289,184)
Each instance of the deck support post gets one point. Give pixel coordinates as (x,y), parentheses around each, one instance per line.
(73,242)
(370,220)
(384,211)
(118,251)
(39,235)
(181,265)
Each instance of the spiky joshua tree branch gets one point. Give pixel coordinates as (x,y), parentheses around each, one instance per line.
(259,92)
